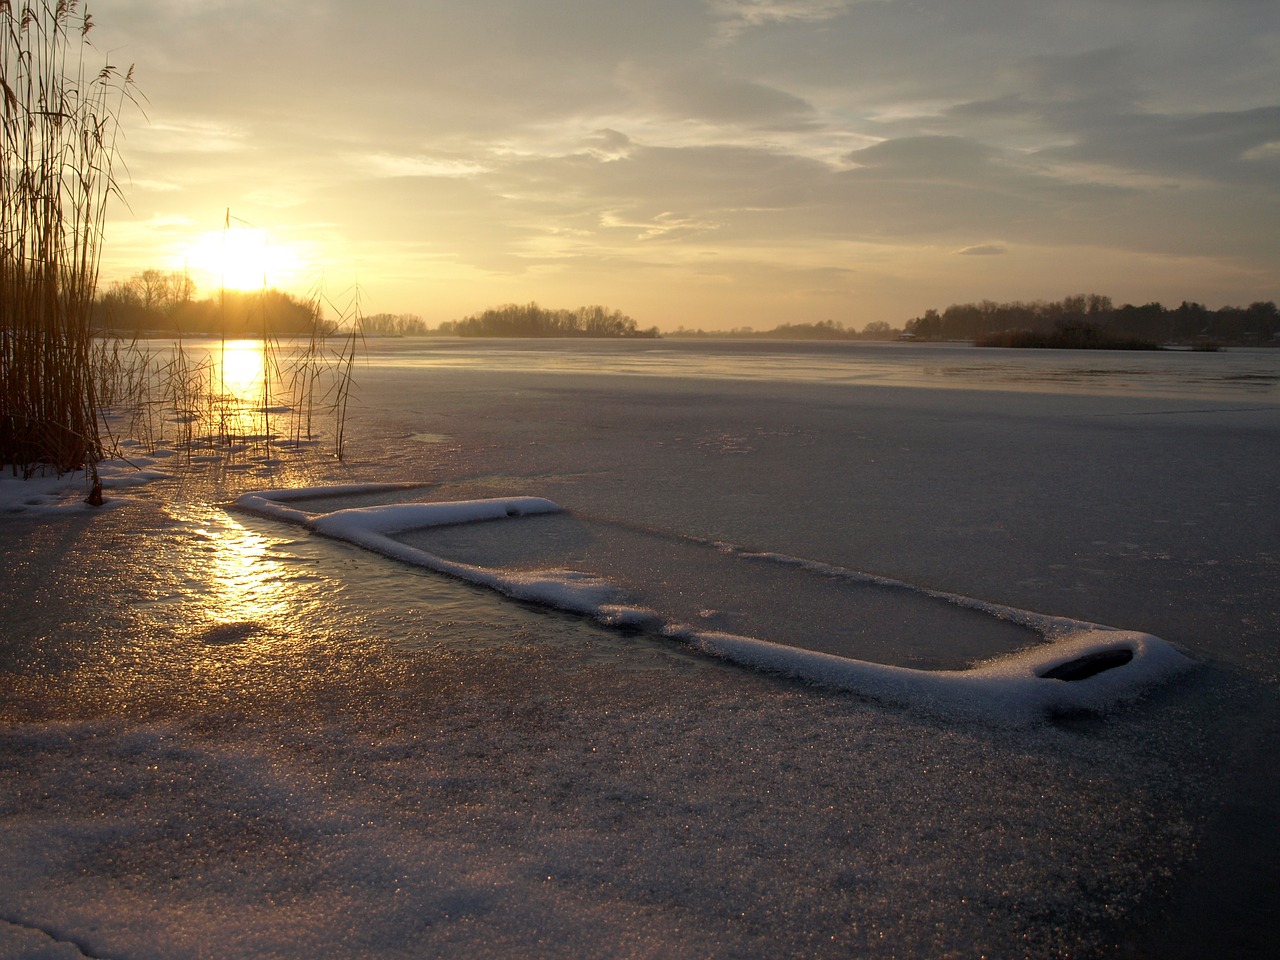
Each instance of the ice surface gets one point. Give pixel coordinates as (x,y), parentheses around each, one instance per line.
(1010,689)
(19,942)
(223,736)
(720,587)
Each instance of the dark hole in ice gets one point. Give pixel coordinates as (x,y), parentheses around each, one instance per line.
(1090,665)
(512,512)
(223,634)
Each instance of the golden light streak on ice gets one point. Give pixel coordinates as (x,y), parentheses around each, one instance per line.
(247,583)
(241,371)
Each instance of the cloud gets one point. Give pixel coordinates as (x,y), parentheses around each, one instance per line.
(609,144)
(1268,152)
(712,97)
(738,16)
(947,156)
(1105,73)
(391,165)
(983,250)
(1220,146)
(662,226)
(706,184)
(190,136)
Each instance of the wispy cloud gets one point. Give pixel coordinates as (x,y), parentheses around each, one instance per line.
(737,16)
(190,135)
(392,165)
(662,226)
(711,96)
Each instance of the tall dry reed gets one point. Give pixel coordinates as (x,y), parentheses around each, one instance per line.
(60,126)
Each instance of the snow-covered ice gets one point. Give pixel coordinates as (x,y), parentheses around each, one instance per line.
(47,491)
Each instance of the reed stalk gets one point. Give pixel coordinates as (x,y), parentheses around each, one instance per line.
(60,127)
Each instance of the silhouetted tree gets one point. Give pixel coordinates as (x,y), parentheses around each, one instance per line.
(393,325)
(156,302)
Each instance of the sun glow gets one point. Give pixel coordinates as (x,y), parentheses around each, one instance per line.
(242,258)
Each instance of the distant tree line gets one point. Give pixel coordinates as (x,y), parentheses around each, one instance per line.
(821,330)
(531,320)
(1188,323)
(160,303)
(394,325)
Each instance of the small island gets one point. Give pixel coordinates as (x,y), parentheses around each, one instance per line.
(1070,335)
(1092,321)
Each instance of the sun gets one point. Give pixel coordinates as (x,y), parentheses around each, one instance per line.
(242,258)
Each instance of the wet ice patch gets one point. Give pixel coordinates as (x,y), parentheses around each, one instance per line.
(825,625)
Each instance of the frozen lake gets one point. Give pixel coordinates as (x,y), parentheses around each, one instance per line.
(1234,375)
(1086,483)
(251,737)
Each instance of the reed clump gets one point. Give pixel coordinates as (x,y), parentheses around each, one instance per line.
(69,389)
(60,127)
(222,398)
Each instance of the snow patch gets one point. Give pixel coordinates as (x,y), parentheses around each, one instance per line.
(59,493)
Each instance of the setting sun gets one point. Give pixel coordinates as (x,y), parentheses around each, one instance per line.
(241,258)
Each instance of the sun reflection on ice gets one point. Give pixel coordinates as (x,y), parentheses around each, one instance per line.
(248,582)
(242,395)
(244,588)
(242,370)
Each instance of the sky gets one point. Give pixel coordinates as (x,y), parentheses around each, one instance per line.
(702,163)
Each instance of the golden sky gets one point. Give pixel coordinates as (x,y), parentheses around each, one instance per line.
(705,163)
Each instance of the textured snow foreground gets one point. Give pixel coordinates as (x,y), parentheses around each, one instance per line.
(1087,666)
(224,736)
